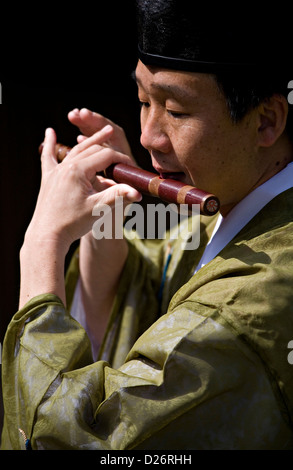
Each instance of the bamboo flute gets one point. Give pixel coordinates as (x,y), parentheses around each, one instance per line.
(146,182)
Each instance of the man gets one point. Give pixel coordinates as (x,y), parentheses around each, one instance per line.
(203,365)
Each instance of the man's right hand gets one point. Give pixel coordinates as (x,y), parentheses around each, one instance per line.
(90,122)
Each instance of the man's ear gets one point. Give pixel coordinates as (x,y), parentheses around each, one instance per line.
(273,114)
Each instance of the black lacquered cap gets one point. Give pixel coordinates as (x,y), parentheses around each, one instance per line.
(174,34)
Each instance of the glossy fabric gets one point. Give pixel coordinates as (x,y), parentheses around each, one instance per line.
(204,368)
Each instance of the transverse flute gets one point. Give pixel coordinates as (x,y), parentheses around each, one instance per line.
(144,181)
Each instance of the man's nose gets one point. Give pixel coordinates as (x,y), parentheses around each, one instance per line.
(153,134)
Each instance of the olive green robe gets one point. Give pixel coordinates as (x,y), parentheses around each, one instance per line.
(202,366)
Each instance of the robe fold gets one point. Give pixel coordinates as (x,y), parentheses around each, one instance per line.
(200,362)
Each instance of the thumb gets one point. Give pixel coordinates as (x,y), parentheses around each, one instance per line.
(118,191)
(48,157)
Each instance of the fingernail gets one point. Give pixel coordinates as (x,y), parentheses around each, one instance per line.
(48,131)
(107,128)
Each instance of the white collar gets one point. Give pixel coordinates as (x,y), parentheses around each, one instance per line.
(226,228)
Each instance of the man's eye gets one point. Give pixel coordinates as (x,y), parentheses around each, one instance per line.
(176,114)
(144,104)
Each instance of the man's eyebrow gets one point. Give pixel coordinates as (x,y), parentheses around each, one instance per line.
(173,90)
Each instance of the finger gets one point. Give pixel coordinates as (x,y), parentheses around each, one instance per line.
(84,147)
(75,118)
(90,122)
(81,138)
(110,195)
(87,121)
(99,160)
(48,157)
(100,183)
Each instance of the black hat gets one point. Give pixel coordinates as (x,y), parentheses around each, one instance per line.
(175,35)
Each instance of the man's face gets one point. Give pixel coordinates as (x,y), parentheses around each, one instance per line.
(187,129)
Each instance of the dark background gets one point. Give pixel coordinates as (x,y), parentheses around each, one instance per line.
(50,63)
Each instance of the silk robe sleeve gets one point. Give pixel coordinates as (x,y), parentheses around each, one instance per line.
(187,383)
(190,379)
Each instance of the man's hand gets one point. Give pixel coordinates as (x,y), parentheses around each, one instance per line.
(89,123)
(100,261)
(71,189)
(63,214)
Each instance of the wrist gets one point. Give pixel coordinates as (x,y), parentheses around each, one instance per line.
(45,242)
(42,250)
(41,269)
(105,248)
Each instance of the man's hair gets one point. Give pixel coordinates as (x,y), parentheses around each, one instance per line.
(246,91)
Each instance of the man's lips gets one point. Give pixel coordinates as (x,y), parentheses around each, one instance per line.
(176,175)
(165,173)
